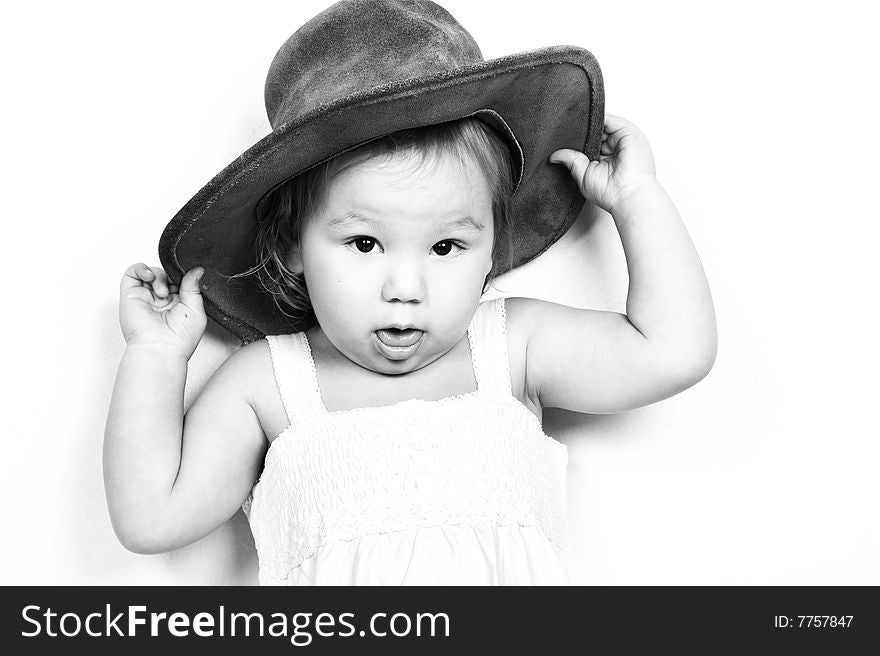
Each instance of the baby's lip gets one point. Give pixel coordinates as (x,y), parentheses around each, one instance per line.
(399,337)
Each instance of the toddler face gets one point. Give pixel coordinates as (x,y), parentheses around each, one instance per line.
(396,256)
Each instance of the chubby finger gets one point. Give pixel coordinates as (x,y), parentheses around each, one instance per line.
(614,123)
(190,291)
(575,161)
(160,282)
(137,275)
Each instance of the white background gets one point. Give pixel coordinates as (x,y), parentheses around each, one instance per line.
(763,119)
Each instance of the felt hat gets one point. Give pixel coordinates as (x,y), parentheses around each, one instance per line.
(363,69)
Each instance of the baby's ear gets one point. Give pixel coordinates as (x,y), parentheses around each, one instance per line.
(294,259)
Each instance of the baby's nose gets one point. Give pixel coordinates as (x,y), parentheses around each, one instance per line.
(405,282)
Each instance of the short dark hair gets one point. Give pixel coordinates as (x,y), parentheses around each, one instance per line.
(290,204)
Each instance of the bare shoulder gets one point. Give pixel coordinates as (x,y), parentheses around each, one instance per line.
(250,362)
(233,380)
(242,370)
(248,375)
(520,315)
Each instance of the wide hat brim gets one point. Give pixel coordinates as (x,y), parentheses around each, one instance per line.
(550,98)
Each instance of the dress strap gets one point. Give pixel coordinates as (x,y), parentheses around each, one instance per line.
(295,376)
(488,338)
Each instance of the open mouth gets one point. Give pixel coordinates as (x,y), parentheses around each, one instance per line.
(398,343)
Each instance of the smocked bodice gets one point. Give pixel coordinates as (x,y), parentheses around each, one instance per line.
(461,476)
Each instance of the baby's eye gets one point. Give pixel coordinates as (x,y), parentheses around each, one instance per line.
(446,247)
(364,244)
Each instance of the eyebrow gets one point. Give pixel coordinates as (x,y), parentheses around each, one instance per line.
(349,218)
(466,222)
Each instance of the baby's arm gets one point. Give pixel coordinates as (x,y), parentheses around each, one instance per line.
(601,362)
(170,481)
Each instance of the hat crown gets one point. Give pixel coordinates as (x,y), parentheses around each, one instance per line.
(356,45)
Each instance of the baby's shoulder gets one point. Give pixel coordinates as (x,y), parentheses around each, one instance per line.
(541,335)
(520,315)
(253,373)
(247,372)
(251,361)
(518,311)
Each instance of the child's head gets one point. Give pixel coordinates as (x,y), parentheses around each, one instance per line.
(420,67)
(404,231)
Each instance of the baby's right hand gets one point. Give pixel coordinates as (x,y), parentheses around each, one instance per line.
(156,314)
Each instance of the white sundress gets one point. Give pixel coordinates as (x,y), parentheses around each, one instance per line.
(466,490)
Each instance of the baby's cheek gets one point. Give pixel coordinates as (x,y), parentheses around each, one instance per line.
(459,294)
(361,285)
(464,279)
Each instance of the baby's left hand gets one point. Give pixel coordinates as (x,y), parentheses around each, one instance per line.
(625,163)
